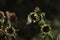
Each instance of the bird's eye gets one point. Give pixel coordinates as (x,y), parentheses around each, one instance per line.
(33,17)
(13,18)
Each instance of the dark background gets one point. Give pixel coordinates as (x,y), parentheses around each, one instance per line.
(23,7)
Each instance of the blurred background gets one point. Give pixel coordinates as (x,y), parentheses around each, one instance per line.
(23,7)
